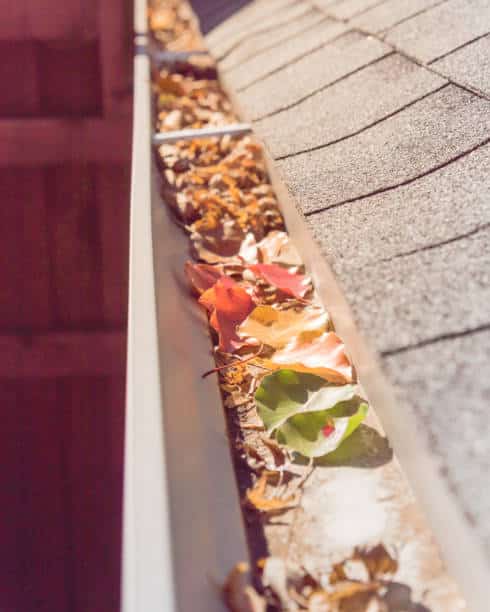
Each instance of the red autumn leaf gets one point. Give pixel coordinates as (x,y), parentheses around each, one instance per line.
(202,276)
(229,305)
(295,285)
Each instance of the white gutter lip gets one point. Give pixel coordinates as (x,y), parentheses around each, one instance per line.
(232,129)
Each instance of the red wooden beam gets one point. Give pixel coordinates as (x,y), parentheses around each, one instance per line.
(53,141)
(62,354)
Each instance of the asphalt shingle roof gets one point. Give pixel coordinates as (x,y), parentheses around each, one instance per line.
(379,119)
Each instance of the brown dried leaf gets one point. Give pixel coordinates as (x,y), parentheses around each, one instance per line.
(238,592)
(345,590)
(278,452)
(255,497)
(277,248)
(377,560)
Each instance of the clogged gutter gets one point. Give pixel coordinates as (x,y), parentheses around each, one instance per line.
(289,390)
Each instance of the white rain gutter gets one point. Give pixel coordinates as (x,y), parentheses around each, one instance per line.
(182,523)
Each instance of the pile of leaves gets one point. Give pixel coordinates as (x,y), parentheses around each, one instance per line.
(218,191)
(363,581)
(190,100)
(174,26)
(279,362)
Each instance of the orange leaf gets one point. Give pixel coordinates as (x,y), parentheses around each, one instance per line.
(229,305)
(202,276)
(256,497)
(296,285)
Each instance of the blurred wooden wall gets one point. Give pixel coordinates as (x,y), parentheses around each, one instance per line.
(65,123)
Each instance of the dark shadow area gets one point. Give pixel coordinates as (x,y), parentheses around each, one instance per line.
(213,12)
(365,448)
(398,598)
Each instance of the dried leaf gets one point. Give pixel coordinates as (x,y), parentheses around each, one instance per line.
(326,601)
(277,451)
(256,497)
(248,249)
(319,601)
(202,276)
(277,248)
(229,304)
(277,328)
(238,592)
(324,356)
(377,560)
(295,285)
(345,590)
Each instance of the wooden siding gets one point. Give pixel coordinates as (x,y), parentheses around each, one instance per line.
(65,122)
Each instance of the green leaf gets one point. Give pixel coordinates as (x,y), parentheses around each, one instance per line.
(297,406)
(304,432)
(285,393)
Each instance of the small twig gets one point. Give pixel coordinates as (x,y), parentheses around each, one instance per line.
(233,363)
(306,475)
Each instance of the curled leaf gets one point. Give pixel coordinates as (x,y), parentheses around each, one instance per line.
(248,249)
(238,592)
(286,393)
(377,560)
(298,407)
(305,432)
(257,499)
(277,248)
(202,276)
(277,328)
(295,285)
(324,356)
(228,305)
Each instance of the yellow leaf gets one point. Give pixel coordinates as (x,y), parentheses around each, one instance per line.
(277,328)
(324,356)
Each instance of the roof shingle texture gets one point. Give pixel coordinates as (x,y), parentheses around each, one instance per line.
(378,114)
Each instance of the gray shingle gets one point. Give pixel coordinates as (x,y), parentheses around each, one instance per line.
(249,20)
(411,299)
(388,14)
(414,216)
(242,18)
(255,44)
(348,8)
(324,3)
(347,106)
(416,140)
(442,29)
(448,385)
(280,56)
(309,74)
(469,65)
